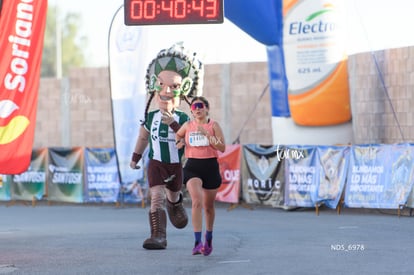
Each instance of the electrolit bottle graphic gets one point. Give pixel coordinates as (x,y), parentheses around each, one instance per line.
(316,63)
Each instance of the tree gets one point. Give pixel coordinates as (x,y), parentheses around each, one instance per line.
(71,44)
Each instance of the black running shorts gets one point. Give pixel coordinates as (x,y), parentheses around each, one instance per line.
(205,169)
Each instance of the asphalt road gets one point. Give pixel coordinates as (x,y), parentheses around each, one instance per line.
(104,239)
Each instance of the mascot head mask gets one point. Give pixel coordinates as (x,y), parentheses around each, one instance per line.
(184,63)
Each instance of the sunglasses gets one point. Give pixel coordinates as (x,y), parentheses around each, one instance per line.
(199,105)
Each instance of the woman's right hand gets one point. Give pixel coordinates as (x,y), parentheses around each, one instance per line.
(180,144)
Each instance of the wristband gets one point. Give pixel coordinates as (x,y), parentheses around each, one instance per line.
(136,157)
(175,126)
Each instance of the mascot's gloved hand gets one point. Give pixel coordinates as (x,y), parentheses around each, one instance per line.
(167,118)
(134,161)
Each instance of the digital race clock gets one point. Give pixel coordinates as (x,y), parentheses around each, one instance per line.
(165,12)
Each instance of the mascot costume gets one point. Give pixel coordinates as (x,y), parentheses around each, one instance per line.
(173,75)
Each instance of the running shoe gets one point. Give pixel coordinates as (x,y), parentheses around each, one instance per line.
(198,249)
(208,248)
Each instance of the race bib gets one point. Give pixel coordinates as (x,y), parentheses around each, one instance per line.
(197,139)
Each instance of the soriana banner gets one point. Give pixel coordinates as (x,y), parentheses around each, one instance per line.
(22,24)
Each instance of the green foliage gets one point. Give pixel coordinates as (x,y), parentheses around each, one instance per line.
(72,44)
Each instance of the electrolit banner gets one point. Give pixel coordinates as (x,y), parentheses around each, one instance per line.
(314,45)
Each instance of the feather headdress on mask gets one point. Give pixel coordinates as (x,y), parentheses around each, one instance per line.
(183,62)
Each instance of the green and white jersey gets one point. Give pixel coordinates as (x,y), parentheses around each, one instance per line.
(162,137)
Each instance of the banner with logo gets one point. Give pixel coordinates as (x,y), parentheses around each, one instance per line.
(263,175)
(127,67)
(401,181)
(379,176)
(333,168)
(31,184)
(314,44)
(229,162)
(22,25)
(301,172)
(136,190)
(5,183)
(102,177)
(65,174)
(367,175)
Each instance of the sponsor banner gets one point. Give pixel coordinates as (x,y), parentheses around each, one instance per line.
(31,183)
(65,174)
(379,176)
(401,181)
(314,44)
(263,175)
(366,175)
(301,173)
(5,182)
(101,175)
(22,26)
(229,161)
(136,190)
(127,68)
(333,162)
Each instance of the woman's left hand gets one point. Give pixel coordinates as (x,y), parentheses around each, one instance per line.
(202,131)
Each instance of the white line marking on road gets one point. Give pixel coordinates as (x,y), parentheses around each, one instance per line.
(348,227)
(234,262)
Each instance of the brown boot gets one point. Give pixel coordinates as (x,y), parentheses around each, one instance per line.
(176,213)
(158,224)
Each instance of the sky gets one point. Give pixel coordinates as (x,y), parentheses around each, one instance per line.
(379,24)
(372,25)
(216,43)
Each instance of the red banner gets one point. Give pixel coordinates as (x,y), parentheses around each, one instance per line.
(229,162)
(22,24)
